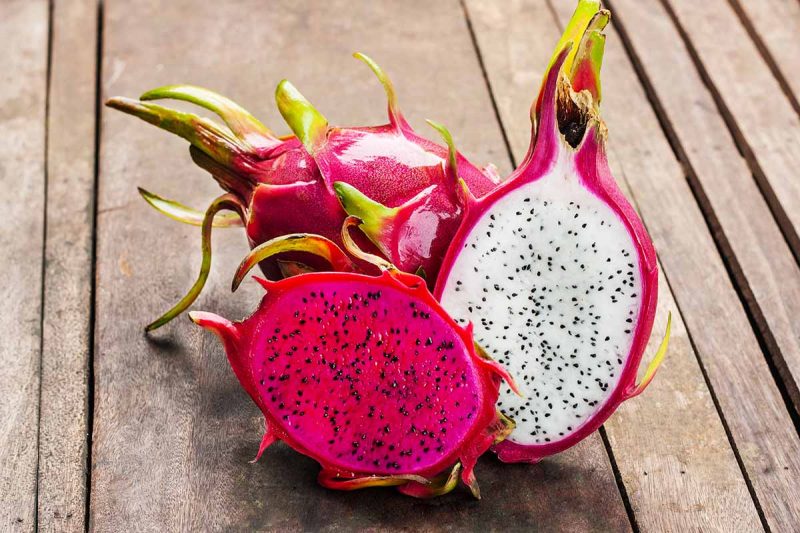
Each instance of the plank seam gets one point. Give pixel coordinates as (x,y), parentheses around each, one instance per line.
(98,107)
(773,355)
(43,272)
(728,259)
(620,483)
(614,468)
(778,212)
(488,83)
(623,491)
(766,55)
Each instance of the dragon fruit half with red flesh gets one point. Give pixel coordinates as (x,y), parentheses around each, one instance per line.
(278,186)
(555,268)
(365,374)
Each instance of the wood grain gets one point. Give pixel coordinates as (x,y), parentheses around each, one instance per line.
(760,116)
(774,26)
(173,430)
(751,406)
(23,87)
(63,427)
(666,441)
(760,258)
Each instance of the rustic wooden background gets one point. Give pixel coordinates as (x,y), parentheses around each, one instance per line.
(107,429)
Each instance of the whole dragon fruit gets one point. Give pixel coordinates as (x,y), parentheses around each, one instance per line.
(554,266)
(278,186)
(365,374)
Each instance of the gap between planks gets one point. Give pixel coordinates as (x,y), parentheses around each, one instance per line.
(783,22)
(512,159)
(774,352)
(785,372)
(740,282)
(63,446)
(773,157)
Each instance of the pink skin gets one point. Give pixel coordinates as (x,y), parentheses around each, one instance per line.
(590,160)
(275,385)
(286,183)
(288,191)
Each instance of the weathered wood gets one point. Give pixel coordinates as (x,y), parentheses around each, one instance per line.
(63,416)
(173,430)
(23,70)
(751,406)
(762,119)
(761,260)
(670,446)
(774,26)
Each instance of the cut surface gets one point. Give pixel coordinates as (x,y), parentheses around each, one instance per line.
(368,381)
(549,275)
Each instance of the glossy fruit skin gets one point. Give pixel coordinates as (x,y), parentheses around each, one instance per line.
(390,164)
(284,185)
(394,180)
(246,343)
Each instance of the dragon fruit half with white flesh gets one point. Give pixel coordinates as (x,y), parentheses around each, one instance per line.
(555,268)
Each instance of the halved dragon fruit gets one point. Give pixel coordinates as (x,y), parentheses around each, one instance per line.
(555,268)
(365,374)
(279,186)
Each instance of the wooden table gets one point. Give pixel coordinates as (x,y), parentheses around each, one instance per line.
(104,427)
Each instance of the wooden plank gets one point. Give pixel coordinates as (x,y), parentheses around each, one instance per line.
(173,430)
(669,445)
(752,407)
(23,70)
(63,417)
(761,260)
(760,116)
(774,26)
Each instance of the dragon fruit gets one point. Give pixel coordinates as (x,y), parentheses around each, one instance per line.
(554,266)
(365,374)
(279,186)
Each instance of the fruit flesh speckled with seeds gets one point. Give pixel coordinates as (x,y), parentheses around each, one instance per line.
(555,268)
(368,376)
(285,185)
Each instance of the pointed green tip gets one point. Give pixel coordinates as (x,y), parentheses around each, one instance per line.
(238,119)
(375,217)
(308,124)
(443,131)
(587,57)
(451,145)
(394,113)
(358,204)
(187,215)
(217,142)
(581,20)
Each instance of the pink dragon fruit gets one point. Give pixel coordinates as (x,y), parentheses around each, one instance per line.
(365,374)
(554,266)
(278,186)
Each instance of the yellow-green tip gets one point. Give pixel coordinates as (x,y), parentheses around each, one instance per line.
(374,216)
(308,124)
(655,363)
(187,215)
(395,116)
